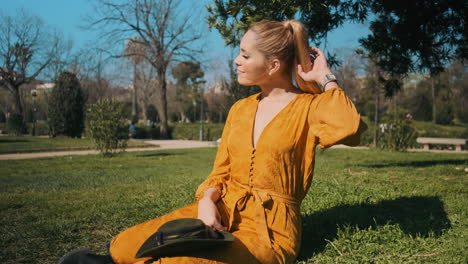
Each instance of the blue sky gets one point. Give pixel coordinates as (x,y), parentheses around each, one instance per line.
(67,16)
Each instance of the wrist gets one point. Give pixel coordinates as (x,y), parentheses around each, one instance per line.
(328,81)
(212,194)
(330,85)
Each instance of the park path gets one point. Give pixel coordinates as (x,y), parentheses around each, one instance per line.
(160,145)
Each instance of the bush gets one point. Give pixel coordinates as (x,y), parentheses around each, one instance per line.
(172,117)
(15,124)
(2,117)
(397,132)
(152,113)
(107,127)
(429,129)
(66,107)
(211,132)
(42,128)
(444,114)
(148,132)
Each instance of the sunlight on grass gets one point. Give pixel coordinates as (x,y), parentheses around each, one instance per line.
(364,206)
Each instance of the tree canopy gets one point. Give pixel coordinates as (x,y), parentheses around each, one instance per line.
(187,71)
(405,35)
(417,35)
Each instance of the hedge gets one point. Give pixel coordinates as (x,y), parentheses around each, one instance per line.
(191,131)
(213,131)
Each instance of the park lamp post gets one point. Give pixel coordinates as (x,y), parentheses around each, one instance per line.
(33,95)
(201,85)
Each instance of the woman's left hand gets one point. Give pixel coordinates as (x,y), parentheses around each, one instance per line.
(319,67)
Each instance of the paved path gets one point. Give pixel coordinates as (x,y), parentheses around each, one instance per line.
(163,144)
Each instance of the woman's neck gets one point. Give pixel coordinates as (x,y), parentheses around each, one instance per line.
(278,88)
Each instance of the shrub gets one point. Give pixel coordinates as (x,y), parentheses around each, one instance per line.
(397,132)
(462,115)
(152,113)
(172,117)
(150,132)
(15,124)
(2,117)
(107,127)
(211,132)
(42,128)
(444,114)
(66,107)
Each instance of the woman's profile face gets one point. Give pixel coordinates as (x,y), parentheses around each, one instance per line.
(251,64)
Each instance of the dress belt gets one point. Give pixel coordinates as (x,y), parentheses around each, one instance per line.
(261,198)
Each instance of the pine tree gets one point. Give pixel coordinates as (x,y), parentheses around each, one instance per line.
(66,107)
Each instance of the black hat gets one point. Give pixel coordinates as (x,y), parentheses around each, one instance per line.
(181,236)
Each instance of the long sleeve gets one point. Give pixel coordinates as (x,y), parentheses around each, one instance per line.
(333,118)
(221,168)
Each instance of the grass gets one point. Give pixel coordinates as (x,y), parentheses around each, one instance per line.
(24,144)
(364,206)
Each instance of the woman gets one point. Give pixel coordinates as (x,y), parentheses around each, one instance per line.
(264,165)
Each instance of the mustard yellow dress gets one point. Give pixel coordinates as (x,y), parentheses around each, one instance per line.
(262,187)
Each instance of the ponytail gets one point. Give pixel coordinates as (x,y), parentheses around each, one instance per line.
(301,56)
(288,42)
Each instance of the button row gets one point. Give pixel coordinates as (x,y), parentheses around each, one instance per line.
(251,168)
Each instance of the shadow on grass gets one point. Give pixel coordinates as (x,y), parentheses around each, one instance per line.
(160,154)
(416,216)
(8,140)
(421,163)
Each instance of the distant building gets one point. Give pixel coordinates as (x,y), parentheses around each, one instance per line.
(218,88)
(412,79)
(45,86)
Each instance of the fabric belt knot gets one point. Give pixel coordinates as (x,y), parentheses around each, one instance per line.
(261,197)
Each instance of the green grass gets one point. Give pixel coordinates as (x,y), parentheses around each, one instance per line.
(364,206)
(23,144)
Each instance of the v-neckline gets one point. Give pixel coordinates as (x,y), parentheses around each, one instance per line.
(268,124)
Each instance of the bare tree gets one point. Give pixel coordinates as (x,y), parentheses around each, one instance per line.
(135,52)
(217,100)
(147,85)
(26,50)
(160,28)
(348,71)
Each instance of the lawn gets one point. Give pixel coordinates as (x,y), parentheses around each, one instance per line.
(364,206)
(22,144)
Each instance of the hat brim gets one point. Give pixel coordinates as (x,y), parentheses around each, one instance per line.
(181,247)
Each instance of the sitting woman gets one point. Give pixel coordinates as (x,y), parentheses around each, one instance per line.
(265,161)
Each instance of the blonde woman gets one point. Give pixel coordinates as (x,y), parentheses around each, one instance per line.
(265,161)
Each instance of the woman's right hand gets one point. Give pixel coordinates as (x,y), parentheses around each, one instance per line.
(209,214)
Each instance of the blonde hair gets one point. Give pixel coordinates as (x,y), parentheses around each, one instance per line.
(288,42)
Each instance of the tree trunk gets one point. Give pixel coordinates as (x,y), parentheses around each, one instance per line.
(376,116)
(134,92)
(433,101)
(18,101)
(145,115)
(162,111)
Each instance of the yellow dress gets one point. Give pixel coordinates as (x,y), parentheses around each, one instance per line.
(262,187)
